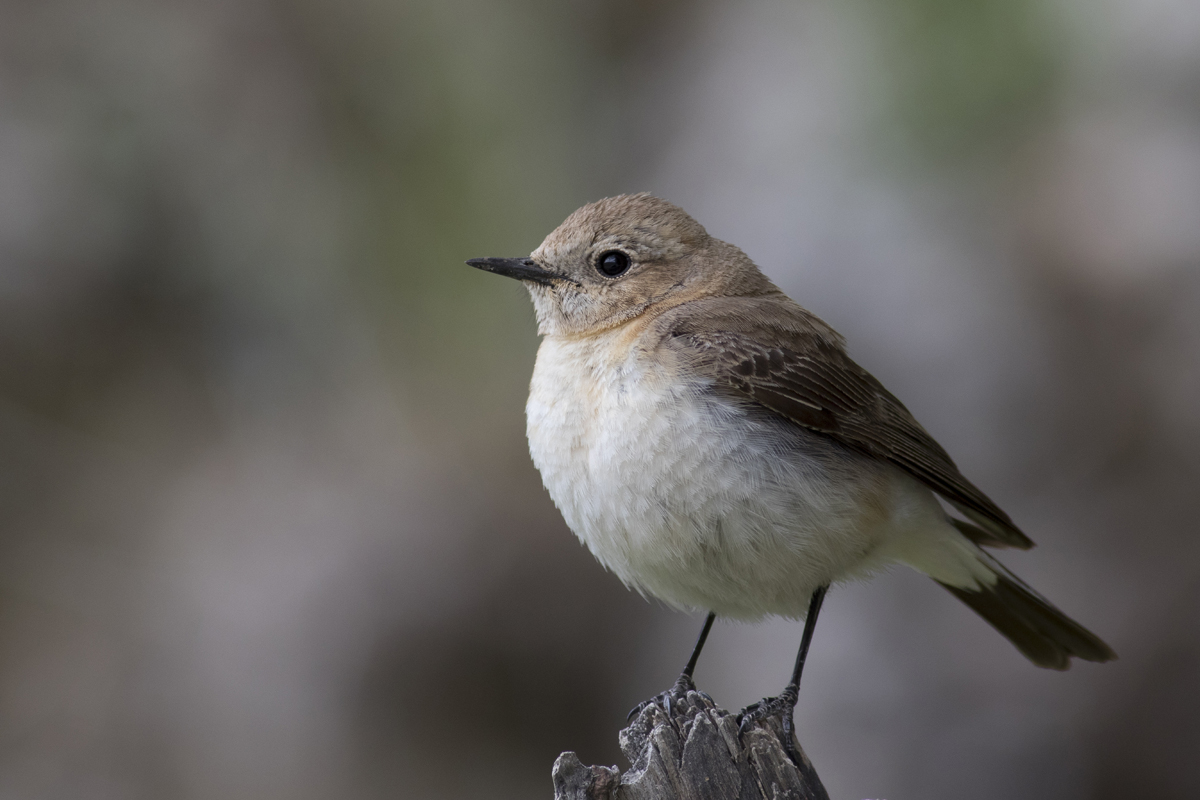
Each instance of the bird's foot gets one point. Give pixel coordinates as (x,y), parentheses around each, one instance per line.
(676,693)
(783,707)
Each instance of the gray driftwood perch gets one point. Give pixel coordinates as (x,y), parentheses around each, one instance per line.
(692,753)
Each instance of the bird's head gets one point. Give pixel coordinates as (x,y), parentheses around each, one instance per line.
(619,258)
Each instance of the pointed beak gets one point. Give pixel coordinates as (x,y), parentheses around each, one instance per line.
(523,269)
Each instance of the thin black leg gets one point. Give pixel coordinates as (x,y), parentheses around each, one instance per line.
(684,684)
(785,703)
(700,640)
(810,624)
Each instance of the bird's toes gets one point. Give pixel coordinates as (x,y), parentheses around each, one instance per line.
(678,691)
(764,709)
(639,708)
(781,707)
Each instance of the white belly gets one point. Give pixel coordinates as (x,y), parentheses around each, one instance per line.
(698,501)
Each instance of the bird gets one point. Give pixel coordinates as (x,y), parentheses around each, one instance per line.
(713,445)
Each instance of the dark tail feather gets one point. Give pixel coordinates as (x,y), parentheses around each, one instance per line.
(1045,635)
(989,533)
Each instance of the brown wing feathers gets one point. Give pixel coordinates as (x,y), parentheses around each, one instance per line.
(815,384)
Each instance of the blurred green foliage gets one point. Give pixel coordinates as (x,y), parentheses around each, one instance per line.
(495,121)
(964,80)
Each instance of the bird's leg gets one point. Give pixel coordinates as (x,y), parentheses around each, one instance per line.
(785,704)
(684,683)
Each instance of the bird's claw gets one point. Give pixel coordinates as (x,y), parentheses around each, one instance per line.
(784,707)
(677,692)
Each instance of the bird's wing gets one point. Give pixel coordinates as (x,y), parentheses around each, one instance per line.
(798,369)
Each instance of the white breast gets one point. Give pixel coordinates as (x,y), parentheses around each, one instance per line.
(694,499)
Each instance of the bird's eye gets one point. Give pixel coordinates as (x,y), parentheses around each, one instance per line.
(613,263)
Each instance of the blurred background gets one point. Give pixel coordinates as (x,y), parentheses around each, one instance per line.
(268,525)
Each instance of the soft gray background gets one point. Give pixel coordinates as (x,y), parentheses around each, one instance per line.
(268,528)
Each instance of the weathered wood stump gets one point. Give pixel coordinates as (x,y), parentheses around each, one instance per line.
(692,753)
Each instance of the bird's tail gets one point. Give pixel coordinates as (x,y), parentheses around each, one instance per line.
(1043,634)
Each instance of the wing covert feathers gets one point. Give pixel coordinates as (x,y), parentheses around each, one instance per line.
(792,363)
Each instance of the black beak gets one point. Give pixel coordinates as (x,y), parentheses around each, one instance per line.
(523,269)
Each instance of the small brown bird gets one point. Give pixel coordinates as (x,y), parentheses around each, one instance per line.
(713,445)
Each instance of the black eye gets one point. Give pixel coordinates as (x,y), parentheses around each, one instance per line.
(613,263)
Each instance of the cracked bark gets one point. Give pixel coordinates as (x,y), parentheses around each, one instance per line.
(693,753)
